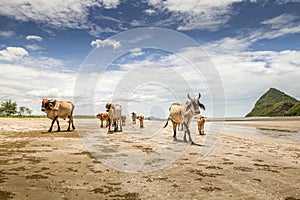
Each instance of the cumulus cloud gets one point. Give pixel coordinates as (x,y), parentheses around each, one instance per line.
(56,13)
(196,14)
(34,37)
(29,81)
(13,53)
(104,43)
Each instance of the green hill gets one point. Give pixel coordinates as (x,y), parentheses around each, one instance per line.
(275,103)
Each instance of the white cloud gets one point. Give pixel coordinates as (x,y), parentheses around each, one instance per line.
(55,13)
(34,78)
(281,20)
(276,27)
(104,43)
(6,34)
(197,14)
(149,11)
(34,37)
(228,45)
(136,52)
(13,53)
(110,3)
(33,47)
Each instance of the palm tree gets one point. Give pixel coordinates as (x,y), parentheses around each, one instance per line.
(8,108)
(22,110)
(28,111)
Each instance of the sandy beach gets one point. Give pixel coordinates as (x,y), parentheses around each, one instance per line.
(243,160)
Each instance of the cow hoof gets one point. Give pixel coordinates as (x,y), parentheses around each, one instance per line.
(191,142)
(174,139)
(49,131)
(184,140)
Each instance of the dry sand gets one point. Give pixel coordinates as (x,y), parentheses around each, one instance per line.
(251,160)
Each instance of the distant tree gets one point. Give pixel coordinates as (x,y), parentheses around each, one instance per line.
(8,108)
(28,111)
(22,110)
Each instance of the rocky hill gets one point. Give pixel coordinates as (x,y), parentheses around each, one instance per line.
(275,103)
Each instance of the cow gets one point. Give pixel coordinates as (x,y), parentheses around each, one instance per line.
(58,109)
(133,117)
(200,122)
(114,116)
(123,118)
(141,119)
(103,117)
(183,113)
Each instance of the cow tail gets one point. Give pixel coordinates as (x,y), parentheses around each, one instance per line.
(167,122)
(73,106)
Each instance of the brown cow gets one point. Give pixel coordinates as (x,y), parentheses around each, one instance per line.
(103,117)
(133,117)
(58,109)
(201,122)
(123,119)
(141,119)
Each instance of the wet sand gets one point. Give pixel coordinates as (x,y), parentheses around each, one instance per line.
(250,160)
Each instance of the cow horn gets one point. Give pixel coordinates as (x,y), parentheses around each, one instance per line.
(189,96)
(199,95)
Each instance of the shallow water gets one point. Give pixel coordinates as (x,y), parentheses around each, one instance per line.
(270,131)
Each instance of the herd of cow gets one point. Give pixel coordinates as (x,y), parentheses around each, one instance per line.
(181,114)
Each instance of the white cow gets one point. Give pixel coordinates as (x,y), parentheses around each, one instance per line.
(183,113)
(114,116)
(58,109)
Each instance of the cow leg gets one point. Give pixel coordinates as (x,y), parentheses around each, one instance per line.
(72,122)
(101,124)
(188,132)
(109,123)
(116,125)
(121,123)
(58,127)
(69,124)
(50,129)
(174,130)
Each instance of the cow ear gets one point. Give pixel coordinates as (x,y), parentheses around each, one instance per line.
(52,103)
(188,107)
(201,105)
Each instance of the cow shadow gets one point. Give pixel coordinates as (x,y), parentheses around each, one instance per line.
(112,132)
(63,131)
(193,143)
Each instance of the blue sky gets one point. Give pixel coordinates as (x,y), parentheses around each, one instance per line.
(248,46)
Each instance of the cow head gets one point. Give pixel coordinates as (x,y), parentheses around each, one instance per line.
(195,104)
(47,104)
(108,106)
